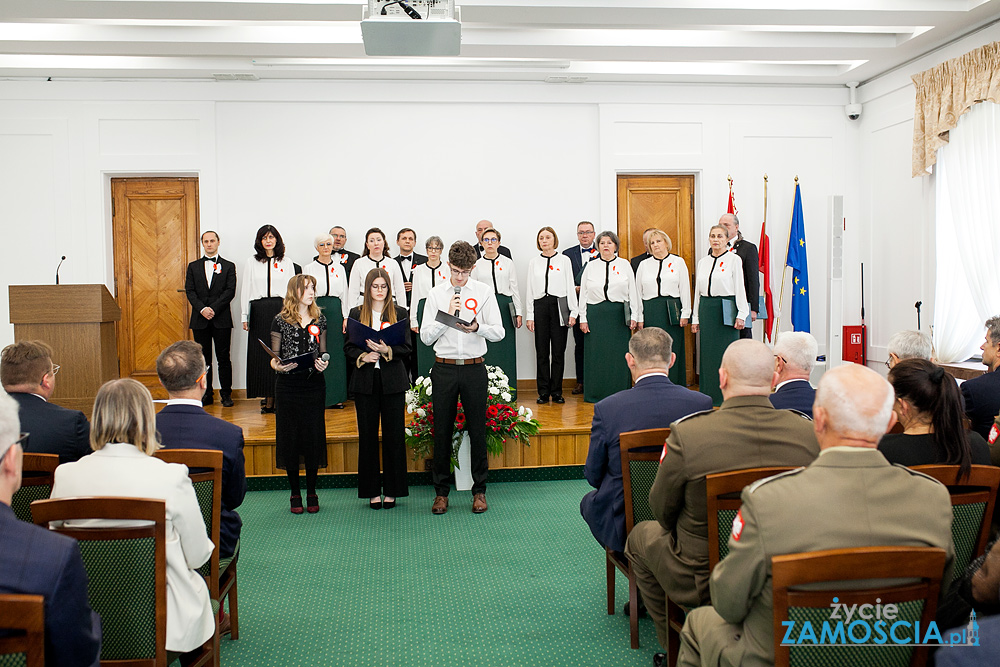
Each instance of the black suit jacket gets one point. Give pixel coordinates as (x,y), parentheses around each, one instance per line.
(36,561)
(217,297)
(418,259)
(982,401)
(635,261)
(395,379)
(190,427)
(351,258)
(751,267)
(503,250)
(53,429)
(577,261)
(796,395)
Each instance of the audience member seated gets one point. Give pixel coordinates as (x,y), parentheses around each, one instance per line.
(29,376)
(909,345)
(982,394)
(123,437)
(795,356)
(670,555)
(813,509)
(929,407)
(35,561)
(653,402)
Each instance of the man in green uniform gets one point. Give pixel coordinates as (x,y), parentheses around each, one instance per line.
(670,555)
(849,497)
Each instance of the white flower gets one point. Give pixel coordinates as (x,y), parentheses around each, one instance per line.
(528,413)
(506,396)
(492,376)
(408,431)
(427,381)
(428,391)
(494,391)
(421,412)
(420,380)
(520,410)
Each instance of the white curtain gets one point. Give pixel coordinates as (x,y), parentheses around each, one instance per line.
(967,219)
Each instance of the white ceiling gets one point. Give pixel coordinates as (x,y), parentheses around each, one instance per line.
(710,41)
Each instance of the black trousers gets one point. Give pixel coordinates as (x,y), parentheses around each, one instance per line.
(389,408)
(578,337)
(469,384)
(747,330)
(549,333)
(222,339)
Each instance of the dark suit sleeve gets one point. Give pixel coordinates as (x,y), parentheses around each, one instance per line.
(81,429)
(751,276)
(505,252)
(72,628)
(189,287)
(970,401)
(597,457)
(227,294)
(234,487)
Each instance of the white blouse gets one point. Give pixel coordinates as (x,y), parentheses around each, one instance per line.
(360,270)
(552,276)
(424,280)
(501,276)
(254,278)
(331,280)
(721,276)
(609,281)
(674,280)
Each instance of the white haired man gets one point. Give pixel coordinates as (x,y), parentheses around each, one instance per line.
(794,359)
(909,345)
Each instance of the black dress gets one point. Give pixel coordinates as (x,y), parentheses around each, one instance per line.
(919,450)
(299,397)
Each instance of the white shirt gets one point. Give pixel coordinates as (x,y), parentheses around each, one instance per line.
(255,281)
(560,282)
(406,266)
(451,343)
(184,401)
(782,384)
(359,272)
(721,276)
(424,280)
(501,270)
(675,280)
(331,280)
(211,268)
(617,275)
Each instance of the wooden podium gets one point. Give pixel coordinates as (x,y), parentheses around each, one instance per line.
(78,322)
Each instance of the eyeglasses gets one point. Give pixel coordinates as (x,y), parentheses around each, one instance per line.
(55,369)
(781,358)
(491,241)
(23,440)
(459,272)
(203,374)
(887,364)
(584,232)
(435,247)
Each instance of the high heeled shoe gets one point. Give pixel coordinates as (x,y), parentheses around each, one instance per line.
(389,504)
(296,504)
(376,505)
(312,504)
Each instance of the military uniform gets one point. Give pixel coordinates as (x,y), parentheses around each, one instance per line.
(670,555)
(849,497)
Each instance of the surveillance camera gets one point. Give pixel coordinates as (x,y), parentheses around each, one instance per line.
(853,111)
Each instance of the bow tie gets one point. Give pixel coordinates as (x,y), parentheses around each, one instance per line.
(409,257)
(214,260)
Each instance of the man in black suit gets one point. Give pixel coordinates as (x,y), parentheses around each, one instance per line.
(794,359)
(340,253)
(406,239)
(481,228)
(579,255)
(653,402)
(29,376)
(751,267)
(982,394)
(637,260)
(37,561)
(211,285)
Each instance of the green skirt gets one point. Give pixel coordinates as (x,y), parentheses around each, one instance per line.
(715,338)
(504,353)
(425,354)
(335,374)
(604,351)
(655,315)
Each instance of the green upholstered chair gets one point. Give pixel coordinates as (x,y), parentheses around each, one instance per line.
(638,472)
(25,615)
(36,483)
(972,501)
(915,601)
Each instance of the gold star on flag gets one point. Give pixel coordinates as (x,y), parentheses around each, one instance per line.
(802,290)
(802,242)
(796,280)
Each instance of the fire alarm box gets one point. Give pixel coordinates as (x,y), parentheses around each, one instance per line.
(856,344)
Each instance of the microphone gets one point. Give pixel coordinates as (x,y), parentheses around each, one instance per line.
(458,290)
(57,268)
(326,356)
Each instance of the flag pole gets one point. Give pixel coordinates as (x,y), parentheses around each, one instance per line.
(784,267)
(763,231)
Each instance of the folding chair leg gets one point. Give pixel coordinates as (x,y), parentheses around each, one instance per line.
(234,609)
(611,582)
(633,609)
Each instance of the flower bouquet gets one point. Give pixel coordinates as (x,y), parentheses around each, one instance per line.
(504,418)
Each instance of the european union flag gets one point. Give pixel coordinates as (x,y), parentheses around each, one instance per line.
(800,266)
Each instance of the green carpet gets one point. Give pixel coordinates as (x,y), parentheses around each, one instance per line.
(522,584)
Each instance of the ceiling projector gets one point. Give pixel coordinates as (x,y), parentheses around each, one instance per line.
(411,28)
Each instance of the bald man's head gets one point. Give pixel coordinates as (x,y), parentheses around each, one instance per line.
(747,369)
(853,402)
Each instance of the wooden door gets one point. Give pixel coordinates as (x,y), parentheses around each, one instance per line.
(155,224)
(661,202)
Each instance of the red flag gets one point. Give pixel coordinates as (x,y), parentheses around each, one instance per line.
(732,203)
(764,265)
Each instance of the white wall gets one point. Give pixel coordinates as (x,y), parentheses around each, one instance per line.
(435,157)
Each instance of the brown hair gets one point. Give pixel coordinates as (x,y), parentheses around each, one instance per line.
(290,307)
(181,365)
(492,231)
(389,312)
(385,243)
(123,412)
(26,362)
(461,255)
(555,237)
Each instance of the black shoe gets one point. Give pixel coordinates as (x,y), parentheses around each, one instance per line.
(208,398)
(227,401)
(578,389)
(542,400)
(659,659)
(335,406)
(558,399)
(375,506)
(626,608)
(388,504)
(267,411)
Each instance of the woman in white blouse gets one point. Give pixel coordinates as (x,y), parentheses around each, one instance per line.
(664,286)
(375,256)
(551,308)
(609,310)
(720,308)
(498,272)
(331,297)
(426,277)
(265,280)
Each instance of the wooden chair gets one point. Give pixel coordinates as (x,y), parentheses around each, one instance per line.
(24,614)
(638,472)
(915,601)
(127,575)
(205,471)
(36,483)
(972,501)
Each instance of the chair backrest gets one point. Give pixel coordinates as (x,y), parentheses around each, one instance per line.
(37,472)
(723,490)
(972,501)
(25,614)
(126,570)
(205,471)
(914,601)
(639,470)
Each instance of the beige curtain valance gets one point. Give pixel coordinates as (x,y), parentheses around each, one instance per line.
(945,93)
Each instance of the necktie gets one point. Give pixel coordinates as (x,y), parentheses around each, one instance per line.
(493,268)
(659,270)
(607,277)
(548,267)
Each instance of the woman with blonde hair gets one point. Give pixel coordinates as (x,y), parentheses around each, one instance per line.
(664,285)
(123,437)
(300,391)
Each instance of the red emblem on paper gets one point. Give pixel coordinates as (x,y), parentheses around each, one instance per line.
(994,432)
(738,526)
(471,304)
